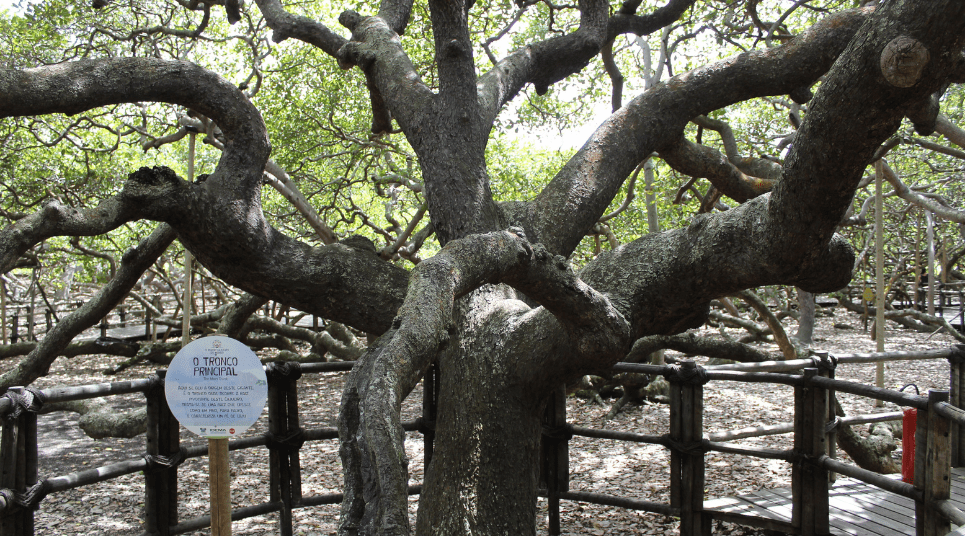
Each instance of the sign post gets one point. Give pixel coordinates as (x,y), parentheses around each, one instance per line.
(216,387)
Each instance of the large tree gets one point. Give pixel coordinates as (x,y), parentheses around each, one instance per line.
(499,307)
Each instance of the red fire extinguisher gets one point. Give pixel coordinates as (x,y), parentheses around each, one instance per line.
(909,422)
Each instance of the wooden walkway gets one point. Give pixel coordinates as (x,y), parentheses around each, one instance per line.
(132,332)
(856,508)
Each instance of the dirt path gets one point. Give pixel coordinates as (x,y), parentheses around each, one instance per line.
(639,471)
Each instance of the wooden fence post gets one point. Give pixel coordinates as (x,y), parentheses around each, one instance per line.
(30,323)
(164,455)
(686,449)
(18,462)
(285,438)
(3,312)
(828,364)
(14,336)
(932,467)
(956,387)
(555,470)
(12,523)
(157,305)
(148,316)
(809,481)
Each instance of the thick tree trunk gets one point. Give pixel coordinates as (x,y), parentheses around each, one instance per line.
(484,473)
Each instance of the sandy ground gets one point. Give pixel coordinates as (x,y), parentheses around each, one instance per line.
(616,468)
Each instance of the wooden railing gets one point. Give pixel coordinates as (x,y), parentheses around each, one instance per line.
(24,322)
(939,444)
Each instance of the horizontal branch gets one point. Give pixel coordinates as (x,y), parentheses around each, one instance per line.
(285,25)
(579,194)
(75,87)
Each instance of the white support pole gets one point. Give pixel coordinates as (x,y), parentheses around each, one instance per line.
(188,262)
(880,277)
(653,222)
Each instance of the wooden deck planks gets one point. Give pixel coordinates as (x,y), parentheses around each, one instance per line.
(856,508)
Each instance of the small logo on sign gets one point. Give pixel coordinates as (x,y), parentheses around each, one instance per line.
(232,431)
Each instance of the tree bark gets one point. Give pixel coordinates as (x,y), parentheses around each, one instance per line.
(805,324)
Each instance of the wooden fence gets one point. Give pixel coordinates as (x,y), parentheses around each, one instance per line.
(940,441)
(25,322)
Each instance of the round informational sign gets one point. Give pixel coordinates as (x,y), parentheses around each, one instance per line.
(216,387)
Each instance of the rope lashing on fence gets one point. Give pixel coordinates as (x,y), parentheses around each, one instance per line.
(799,458)
(690,448)
(290,370)
(831,426)
(289,443)
(687,373)
(154,382)
(824,361)
(156,462)
(30,499)
(24,399)
(957,355)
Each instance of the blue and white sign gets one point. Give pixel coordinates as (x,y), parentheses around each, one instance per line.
(216,387)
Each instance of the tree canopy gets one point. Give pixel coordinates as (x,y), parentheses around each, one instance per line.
(337,142)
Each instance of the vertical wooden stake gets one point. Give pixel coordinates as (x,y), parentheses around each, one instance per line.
(157,305)
(31,336)
(687,466)
(3,312)
(219,480)
(879,278)
(932,282)
(957,396)
(556,460)
(161,486)
(932,466)
(9,523)
(186,300)
(280,480)
(293,424)
(188,261)
(809,482)
(28,421)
